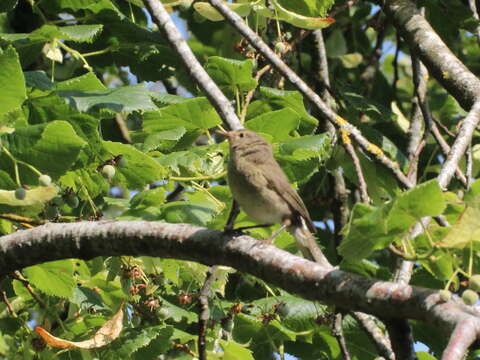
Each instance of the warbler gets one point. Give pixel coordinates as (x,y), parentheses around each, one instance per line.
(262,190)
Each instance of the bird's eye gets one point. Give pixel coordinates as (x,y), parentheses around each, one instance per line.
(241,134)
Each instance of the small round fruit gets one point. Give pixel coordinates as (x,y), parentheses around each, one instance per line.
(280,47)
(474,283)
(445,295)
(108,172)
(122,162)
(44,180)
(469,297)
(72,201)
(20,193)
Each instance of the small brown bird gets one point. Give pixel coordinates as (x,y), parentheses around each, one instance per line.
(262,190)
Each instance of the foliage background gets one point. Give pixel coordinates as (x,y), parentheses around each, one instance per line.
(70,104)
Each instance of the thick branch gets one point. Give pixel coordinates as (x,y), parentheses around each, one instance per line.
(437,57)
(86,240)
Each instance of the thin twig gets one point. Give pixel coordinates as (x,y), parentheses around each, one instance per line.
(376,334)
(22,219)
(9,306)
(234,211)
(362,184)
(469,166)
(337,332)
(123,128)
(197,72)
(204,315)
(17,275)
(463,139)
(250,94)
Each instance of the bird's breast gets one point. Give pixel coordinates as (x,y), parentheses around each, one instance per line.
(250,189)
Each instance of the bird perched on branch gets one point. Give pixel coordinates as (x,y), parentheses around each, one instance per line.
(262,190)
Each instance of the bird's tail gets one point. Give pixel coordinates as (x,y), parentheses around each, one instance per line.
(307,244)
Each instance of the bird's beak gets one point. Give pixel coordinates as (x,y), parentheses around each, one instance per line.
(225,134)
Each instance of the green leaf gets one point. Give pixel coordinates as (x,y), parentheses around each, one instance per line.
(38,196)
(464,231)
(132,340)
(141,169)
(365,233)
(190,212)
(12,82)
(53,278)
(423,200)
(275,99)
(192,114)
(210,13)
(39,80)
(296,314)
(122,99)
(80,33)
(231,75)
(280,124)
(301,21)
(235,351)
(86,82)
(77,33)
(177,313)
(336,44)
(37,145)
(87,299)
(373,228)
(153,197)
(350,61)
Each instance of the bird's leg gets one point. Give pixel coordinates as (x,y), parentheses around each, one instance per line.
(229,227)
(286,223)
(252,227)
(234,211)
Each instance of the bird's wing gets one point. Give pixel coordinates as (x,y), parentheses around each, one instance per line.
(278,181)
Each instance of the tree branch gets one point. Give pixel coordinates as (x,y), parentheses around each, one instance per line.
(379,338)
(401,338)
(204,315)
(223,106)
(449,71)
(86,240)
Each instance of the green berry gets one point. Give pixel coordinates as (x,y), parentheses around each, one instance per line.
(445,295)
(20,193)
(44,180)
(122,162)
(108,172)
(72,201)
(469,297)
(474,283)
(280,47)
